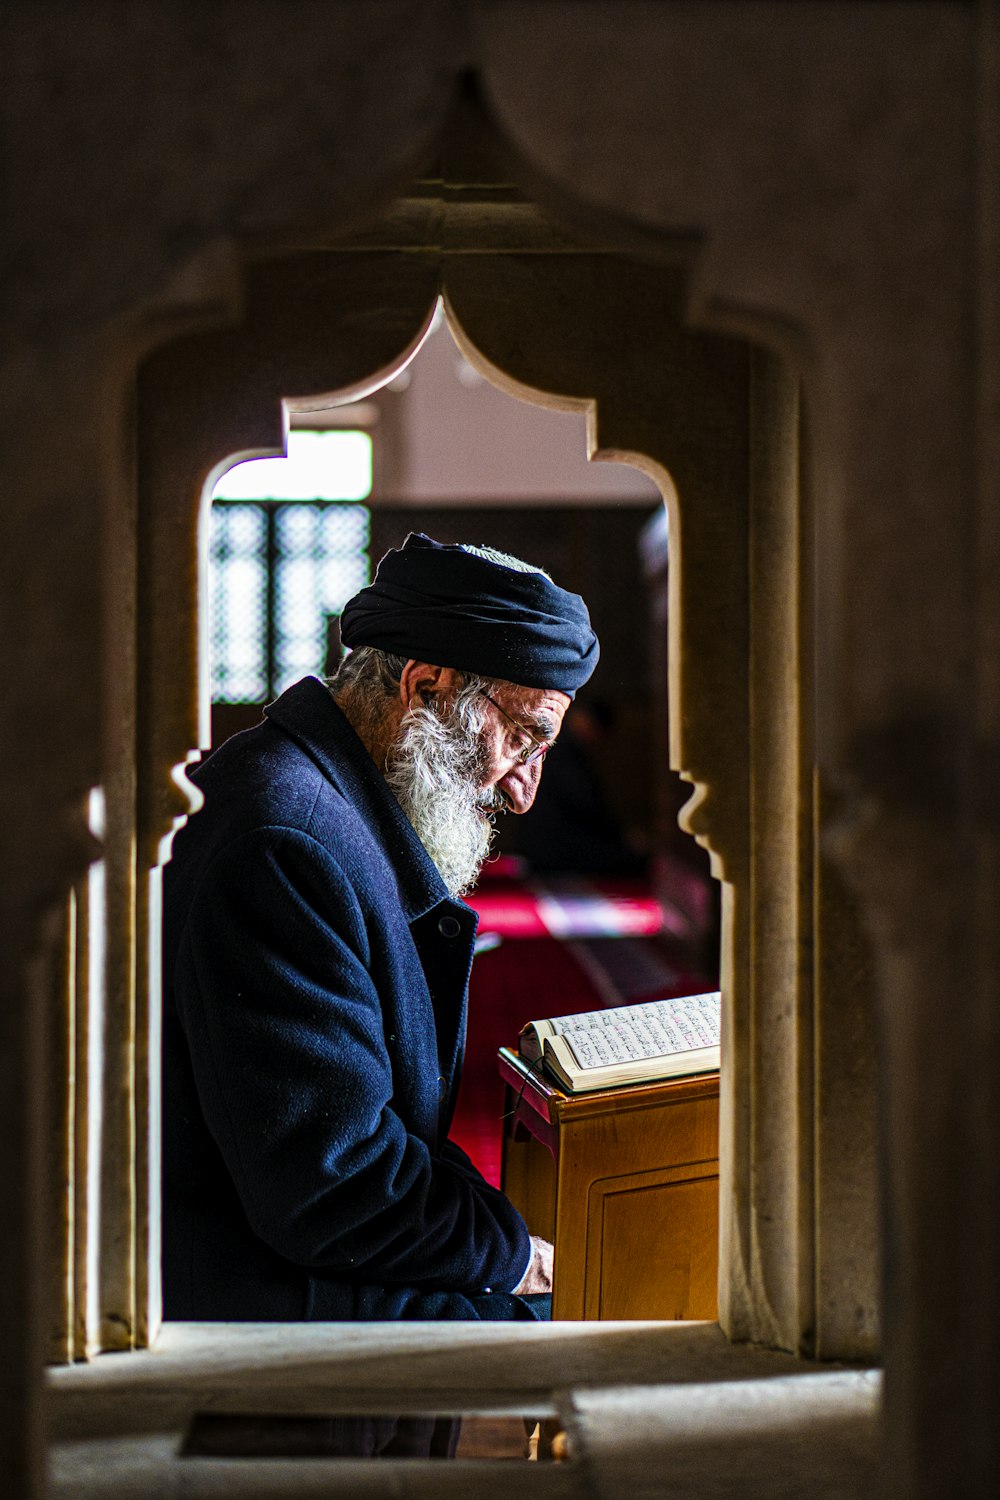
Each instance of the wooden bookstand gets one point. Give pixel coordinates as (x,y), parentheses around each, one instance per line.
(625,1182)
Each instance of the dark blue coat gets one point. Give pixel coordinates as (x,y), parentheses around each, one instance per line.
(315,978)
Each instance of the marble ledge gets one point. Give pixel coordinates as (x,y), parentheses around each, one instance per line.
(652,1410)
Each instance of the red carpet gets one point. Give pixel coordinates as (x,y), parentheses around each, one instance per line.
(548,948)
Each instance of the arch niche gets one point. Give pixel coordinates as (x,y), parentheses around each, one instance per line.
(717,422)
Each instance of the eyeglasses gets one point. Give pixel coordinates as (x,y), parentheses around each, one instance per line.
(535,749)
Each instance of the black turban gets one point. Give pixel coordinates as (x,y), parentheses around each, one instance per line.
(468,608)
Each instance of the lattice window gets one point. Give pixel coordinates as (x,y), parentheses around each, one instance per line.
(289,546)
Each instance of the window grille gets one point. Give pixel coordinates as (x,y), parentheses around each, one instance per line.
(280,566)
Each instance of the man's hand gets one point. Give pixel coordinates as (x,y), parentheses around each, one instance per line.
(538,1276)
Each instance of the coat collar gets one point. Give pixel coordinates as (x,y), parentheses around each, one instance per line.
(307,713)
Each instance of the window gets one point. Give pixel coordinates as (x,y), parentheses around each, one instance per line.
(289,546)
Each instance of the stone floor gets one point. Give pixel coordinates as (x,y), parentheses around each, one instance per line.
(649,1410)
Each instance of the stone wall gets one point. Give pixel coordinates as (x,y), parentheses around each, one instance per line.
(820,180)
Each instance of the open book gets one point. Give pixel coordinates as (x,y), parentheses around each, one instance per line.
(630,1044)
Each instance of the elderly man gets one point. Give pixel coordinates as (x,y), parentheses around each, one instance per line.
(316,959)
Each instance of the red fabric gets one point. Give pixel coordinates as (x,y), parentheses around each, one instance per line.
(508,910)
(567,906)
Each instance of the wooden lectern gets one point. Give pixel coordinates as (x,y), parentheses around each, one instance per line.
(625,1182)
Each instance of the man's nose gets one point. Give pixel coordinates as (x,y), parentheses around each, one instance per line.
(521,784)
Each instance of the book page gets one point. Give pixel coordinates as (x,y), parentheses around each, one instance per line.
(636,1032)
(532,1038)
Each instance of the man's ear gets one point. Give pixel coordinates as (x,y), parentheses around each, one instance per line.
(421,682)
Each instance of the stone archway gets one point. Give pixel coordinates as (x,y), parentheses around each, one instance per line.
(718,425)
(839,164)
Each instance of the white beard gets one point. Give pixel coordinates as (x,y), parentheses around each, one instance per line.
(434,770)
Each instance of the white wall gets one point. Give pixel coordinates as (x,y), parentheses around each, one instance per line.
(462,439)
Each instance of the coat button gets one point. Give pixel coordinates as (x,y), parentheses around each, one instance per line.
(449,927)
(442,1086)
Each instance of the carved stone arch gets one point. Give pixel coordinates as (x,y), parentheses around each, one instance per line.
(597,332)
(312,325)
(719,421)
